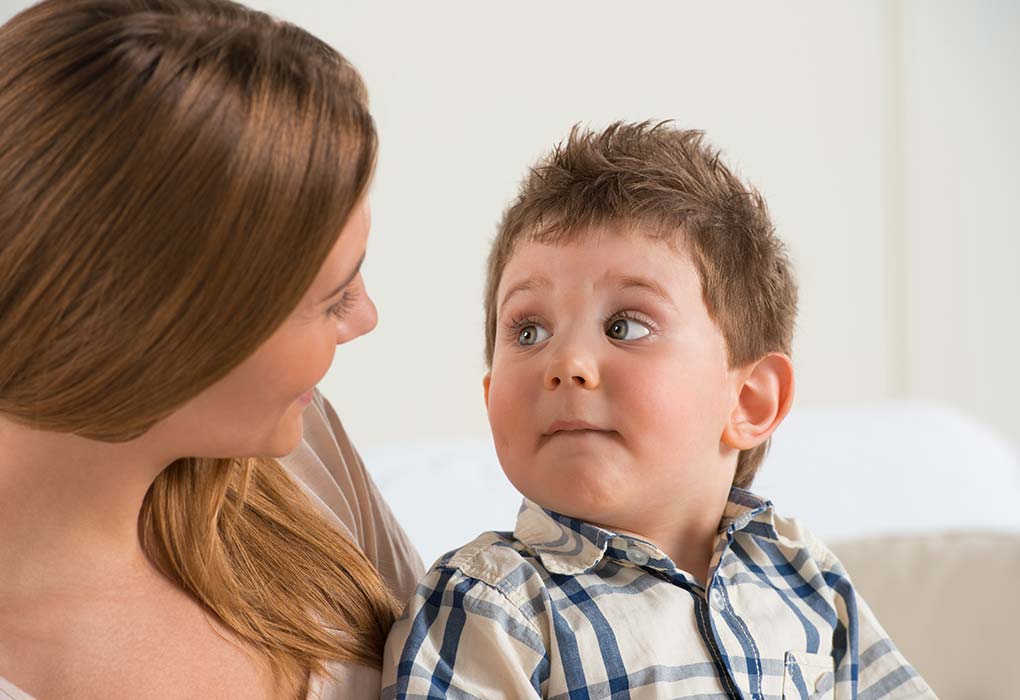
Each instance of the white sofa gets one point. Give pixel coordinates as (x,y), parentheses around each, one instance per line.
(921,503)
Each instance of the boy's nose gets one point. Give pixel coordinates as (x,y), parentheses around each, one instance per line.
(574,369)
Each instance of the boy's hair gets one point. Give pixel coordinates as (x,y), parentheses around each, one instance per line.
(669,184)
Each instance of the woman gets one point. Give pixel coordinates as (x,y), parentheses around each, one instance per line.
(183,215)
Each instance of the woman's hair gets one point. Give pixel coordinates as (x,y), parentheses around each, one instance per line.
(173,173)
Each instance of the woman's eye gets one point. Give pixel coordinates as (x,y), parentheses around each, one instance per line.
(532,334)
(346,304)
(627,329)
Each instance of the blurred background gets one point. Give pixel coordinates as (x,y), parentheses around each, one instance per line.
(883,134)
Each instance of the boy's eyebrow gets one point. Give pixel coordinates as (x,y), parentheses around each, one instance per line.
(650,285)
(525,286)
(342,285)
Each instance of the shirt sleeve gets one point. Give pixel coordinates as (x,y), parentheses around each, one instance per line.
(882,672)
(461,637)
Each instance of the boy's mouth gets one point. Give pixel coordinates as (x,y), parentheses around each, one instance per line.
(573,426)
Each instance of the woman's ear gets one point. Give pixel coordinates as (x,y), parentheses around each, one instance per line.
(486,380)
(764,397)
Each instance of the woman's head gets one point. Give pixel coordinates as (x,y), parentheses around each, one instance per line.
(175,176)
(182,188)
(257,406)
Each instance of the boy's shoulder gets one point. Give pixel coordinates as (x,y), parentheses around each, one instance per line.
(493,560)
(750,515)
(486,554)
(794,534)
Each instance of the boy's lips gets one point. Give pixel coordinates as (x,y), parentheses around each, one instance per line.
(573,426)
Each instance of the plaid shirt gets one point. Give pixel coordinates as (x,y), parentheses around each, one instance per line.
(564,609)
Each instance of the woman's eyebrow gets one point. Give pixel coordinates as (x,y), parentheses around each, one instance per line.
(350,278)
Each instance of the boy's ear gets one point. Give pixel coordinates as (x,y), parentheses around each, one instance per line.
(486,380)
(763,400)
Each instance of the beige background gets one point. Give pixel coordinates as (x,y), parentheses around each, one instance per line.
(882,132)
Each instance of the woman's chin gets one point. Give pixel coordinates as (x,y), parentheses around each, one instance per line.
(285,439)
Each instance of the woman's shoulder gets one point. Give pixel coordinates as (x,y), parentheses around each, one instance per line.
(327,466)
(332,474)
(8,691)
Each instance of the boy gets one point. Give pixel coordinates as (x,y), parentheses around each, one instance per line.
(639,316)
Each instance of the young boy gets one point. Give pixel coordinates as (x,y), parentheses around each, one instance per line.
(639,316)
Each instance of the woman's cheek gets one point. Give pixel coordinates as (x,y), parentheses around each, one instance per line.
(304,359)
(320,355)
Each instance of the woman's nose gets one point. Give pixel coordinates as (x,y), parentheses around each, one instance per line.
(369,317)
(572,365)
(362,319)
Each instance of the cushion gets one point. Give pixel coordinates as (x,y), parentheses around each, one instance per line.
(949,602)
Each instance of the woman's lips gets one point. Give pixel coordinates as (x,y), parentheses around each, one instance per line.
(306,398)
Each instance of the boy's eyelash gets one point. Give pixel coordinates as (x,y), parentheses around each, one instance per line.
(515,324)
(343,307)
(630,316)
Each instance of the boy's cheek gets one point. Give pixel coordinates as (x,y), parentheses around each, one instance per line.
(504,413)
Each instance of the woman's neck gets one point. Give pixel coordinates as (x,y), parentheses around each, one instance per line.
(69,510)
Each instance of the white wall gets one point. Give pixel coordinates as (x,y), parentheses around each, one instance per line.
(881,133)
(961,154)
(466,99)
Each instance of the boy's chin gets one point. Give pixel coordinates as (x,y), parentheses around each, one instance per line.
(582,484)
(583,500)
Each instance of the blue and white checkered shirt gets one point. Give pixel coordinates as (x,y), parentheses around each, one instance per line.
(564,609)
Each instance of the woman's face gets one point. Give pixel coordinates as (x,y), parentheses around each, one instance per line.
(256,409)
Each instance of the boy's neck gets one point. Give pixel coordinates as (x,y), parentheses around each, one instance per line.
(686,532)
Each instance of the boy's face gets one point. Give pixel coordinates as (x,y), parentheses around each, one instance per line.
(609,389)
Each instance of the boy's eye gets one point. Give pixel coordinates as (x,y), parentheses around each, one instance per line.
(627,329)
(532,334)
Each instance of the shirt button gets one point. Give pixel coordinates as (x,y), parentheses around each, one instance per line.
(637,556)
(716,600)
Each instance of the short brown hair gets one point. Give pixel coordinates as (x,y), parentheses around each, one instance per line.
(673,185)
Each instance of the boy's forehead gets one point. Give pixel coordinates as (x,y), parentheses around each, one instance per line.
(626,257)
(629,239)
(651,229)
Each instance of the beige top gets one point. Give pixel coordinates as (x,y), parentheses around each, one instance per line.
(334,477)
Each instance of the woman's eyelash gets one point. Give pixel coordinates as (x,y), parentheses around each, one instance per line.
(343,307)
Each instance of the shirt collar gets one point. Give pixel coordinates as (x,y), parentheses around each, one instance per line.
(570,546)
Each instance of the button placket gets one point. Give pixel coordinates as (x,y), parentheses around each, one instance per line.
(717,600)
(636,555)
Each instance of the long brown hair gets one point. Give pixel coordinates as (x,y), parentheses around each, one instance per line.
(172,175)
